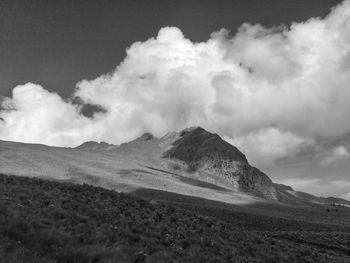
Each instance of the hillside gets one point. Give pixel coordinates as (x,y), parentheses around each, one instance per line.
(207,153)
(130,166)
(191,162)
(47,221)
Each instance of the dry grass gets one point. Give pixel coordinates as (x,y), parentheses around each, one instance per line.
(45,221)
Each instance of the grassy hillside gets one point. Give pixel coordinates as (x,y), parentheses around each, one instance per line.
(46,221)
(131,166)
(270,216)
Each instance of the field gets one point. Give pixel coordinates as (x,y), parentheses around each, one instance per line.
(50,221)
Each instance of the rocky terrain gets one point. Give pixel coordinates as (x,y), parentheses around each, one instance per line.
(205,152)
(191,162)
(91,146)
(186,197)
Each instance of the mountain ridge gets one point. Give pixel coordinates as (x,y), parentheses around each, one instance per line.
(192,161)
(207,153)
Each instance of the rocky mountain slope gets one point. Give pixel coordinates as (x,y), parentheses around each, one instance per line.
(206,152)
(192,162)
(91,145)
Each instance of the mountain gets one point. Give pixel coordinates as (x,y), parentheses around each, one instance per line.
(197,145)
(192,162)
(92,145)
(207,153)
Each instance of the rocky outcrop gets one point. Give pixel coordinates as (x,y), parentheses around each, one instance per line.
(242,176)
(196,144)
(92,145)
(284,187)
(203,151)
(145,137)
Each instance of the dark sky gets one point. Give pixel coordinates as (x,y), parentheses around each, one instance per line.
(57,43)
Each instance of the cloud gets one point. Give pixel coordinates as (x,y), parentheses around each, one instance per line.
(301,184)
(267,145)
(318,186)
(341,183)
(271,90)
(345,196)
(35,115)
(335,155)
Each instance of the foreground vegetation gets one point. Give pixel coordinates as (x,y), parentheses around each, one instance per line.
(267,216)
(46,221)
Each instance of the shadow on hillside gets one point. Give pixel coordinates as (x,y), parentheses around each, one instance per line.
(192,181)
(258,216)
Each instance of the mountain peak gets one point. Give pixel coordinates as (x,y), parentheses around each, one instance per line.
(146,137)
(195,144)
(193,129)
(208,154)
(93,145)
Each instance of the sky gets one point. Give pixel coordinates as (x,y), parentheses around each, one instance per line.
(271,77)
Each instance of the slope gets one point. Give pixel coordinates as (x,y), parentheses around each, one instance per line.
(45,221)
(130,166)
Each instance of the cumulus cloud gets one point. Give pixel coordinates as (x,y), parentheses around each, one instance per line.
(318,186)
(335,155)
(343,187)
(301,184)
(346,196)
(270,90)
(269,144)
(35,115)
(341,183)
